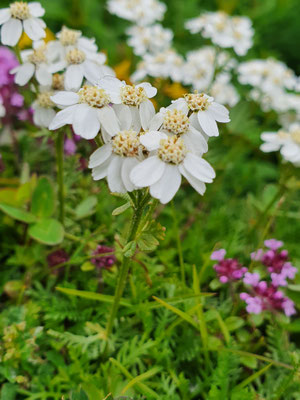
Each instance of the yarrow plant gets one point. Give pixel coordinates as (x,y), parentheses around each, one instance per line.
(261,295)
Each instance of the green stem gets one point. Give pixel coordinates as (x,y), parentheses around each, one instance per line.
(60,174)
(178,241)
(138,212)
(18,54)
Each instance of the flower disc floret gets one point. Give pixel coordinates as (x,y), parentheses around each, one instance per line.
(93,96)
(196,101)
(172,150)
(38,56)
(132,95)
(58,81)
(176,121)
(69,37)
(126,143)
(75,56)
(44,100)
(20,10)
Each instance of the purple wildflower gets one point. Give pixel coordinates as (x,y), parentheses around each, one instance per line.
(228,269)
(105,261)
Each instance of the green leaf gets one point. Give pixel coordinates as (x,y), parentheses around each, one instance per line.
(79,395)
(147,242)
(120,210)
(129,249)
(86,207)
(43,199)
(47,231)
(18,213)
(92,296)
(8,391)
(249,362)
(233,323)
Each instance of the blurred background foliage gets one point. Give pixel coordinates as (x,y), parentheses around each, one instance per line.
(275,21)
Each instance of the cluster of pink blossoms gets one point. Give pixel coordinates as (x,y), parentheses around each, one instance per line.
(12,102)
(262,294)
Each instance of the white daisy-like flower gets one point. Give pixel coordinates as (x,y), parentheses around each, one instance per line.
(141,12)
(173,120)
(71,37)
(223,91)
(149,39)
(36,62)
(168,161)
(205,113)
(87,111)
(131,97)
(21,16)
(288,142)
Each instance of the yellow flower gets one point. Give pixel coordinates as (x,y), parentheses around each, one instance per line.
(174,90)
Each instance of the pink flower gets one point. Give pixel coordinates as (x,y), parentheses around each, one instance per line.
(254,305)
(251,279)
(278,280)
(218,255)
(70,147)
(257,255)
(288,307)
(228,269)
(273,244)
(104,261)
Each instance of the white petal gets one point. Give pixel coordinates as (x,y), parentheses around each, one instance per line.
(147,112)
(100,172)
(24,74)
(168,185)
(112,85)
(114,178)
(136,120)
(11,32)
(124,115)
(194,141)
(43,76)
(108,119)
(152,139)
(65,98)
(92,71)
(147,172)
(85,122)
(128,164)
(100,156)
(4,15)
(199,186)
(149,89)
(73,77)
(218,112)
(269,146)
(36,10)
(156,122)
(33,29)
(43,116)
(289,150)
(207,123)
(63,117)
(179,104)
(199,168)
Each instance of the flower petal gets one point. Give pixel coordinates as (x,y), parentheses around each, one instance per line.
(100,171)
(4,15)
(33,29)
(108,119)
(197,184)
(147,112)
(194,141)
(149,89)
(147,172)
(92,71)
(73,77)
(85,122)
(168,185)
(152,139)
(179,104)
(43,76)
(36,10)
(114,178)
(136,120)
(123,114)
(156,122)
(112,85)
(207,123)
(43,116)
(24,74)
(199,168)
(11,32)
(64,98)
(218,112)
(63,117)
(128,164)
(100,156)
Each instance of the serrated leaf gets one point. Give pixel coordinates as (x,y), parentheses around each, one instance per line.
(18,213)
(47,231)
(147,242)
(86,207)
(43,199)
(129,249)
(121,209)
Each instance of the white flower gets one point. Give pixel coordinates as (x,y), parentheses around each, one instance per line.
(133,98)
(174,120)
(168,161)
(43,107)
(149,39)
(287,142)
(142,12)
(223,91)
(19,16)
(87,111)
(206,113)
(71,37)
(36,63)
(224,30)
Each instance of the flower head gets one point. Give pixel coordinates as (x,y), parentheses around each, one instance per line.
(103,261)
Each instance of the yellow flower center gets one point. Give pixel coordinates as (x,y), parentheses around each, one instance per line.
(172,150)
(93,96)
(69,37)
(126,143)
(133,96)
(296,136)
(44,100)
(58,81)
(75,56)
(196,101)
(176,121)
(19,10)
(38,56)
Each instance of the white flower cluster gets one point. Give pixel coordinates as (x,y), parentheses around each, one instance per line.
(288,142)
(224,31)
